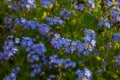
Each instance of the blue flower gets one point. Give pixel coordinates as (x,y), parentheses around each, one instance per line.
(52,76)
(91,4)
(14,49)
(117,61)
(17,40)
(27,42)
(57,42)
(13,5)
(47,63)
(54,21)
(80,47)
(17,20)
(58,62)
(32,57)
(90,35)
(39,48)
(16,70)
(36,70)
(53,58)
(32,24)
(43,28)
(90,40)
(118,3)
(64,14)
(73,64)
(12,76)
(67,63)
(46,3)
(73,46)
(85,53)
(105,22)
(67,45)
(116,37)
(1,56)
(9,48)
(80,74)
(28,4)
(79,6)
(115,16)
(7,78)
(109,2)
(85,74)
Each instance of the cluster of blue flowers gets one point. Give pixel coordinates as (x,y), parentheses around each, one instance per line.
(105,22)
(117,61)
(115,16)
(16,5)
(64,14)
(36,70)
(52,76)
(47,3)
(66,63)
(71,46)
(116,37)
(118,3)
(90,39)
(10,48)
(37,50)
(12,76)
(34,50)
(58,42)
(34,53)
(90,4)
(84,75)
(79,6)
(27,24)
(13,5)
(110,3)
(113,12)
(27,42)
(55,20)
(29,4)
